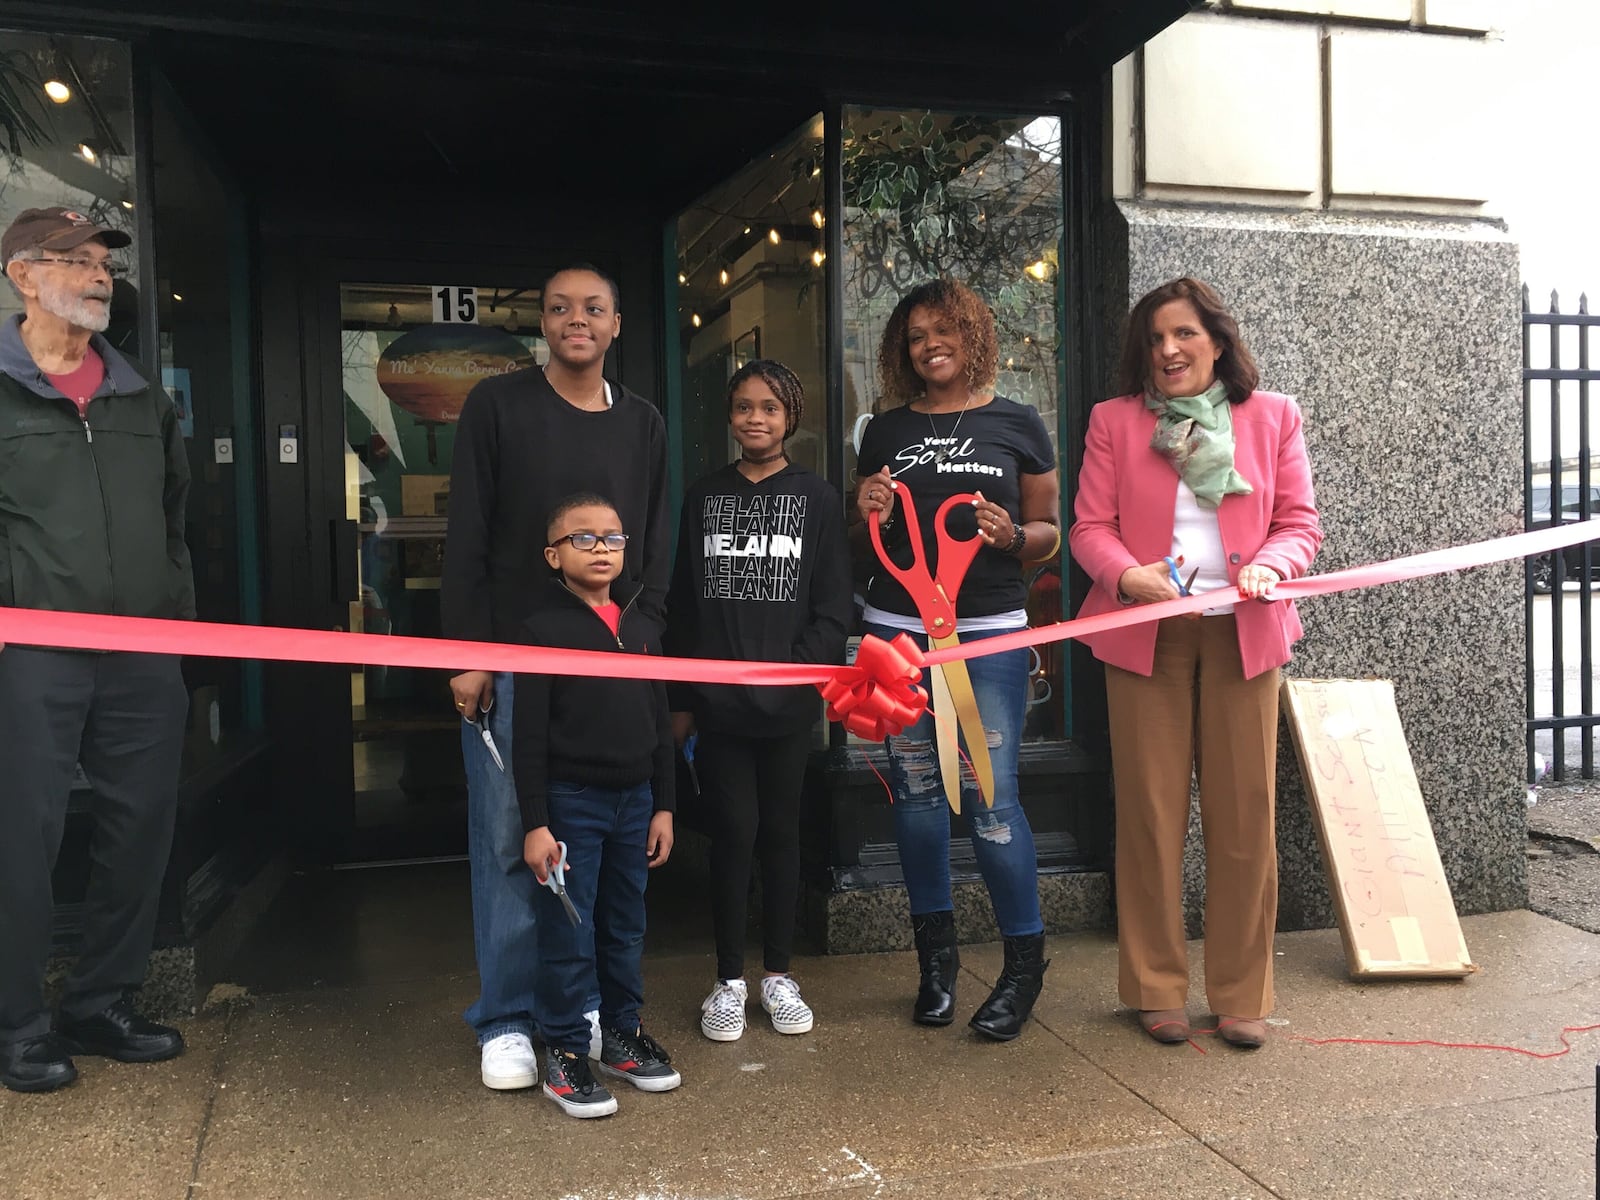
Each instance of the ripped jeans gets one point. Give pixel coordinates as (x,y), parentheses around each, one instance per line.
(1001,837)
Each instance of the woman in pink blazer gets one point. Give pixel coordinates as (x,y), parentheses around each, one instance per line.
(1194,474)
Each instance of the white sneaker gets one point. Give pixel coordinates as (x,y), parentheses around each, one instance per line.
(594,1033)
(508,1062)
(780,996)
(722,1014)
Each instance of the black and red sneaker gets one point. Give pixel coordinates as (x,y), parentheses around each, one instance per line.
(569,1082)
(636,1058)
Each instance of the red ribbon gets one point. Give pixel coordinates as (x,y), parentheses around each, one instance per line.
(881,690)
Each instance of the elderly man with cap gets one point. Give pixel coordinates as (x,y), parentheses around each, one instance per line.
(93,483)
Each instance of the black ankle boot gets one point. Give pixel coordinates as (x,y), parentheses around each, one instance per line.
(939,960)
(1009,1005)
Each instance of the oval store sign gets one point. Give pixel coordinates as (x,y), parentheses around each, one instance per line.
(429,371)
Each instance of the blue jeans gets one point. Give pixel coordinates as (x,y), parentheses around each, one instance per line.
(605,830)
(502,884)
(1001,837)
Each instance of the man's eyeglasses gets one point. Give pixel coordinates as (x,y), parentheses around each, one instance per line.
(588,541)
(114,269)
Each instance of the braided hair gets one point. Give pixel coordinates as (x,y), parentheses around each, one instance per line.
(785,385)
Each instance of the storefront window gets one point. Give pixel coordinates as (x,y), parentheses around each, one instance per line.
(750,258)
(978,199)
(66,138)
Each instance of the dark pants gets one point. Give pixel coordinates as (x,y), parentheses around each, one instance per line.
(752,786)
(121,716)
(605,830)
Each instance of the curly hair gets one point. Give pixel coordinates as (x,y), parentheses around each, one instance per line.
(1235,367)
(571,501)
(897,378)
(785,385)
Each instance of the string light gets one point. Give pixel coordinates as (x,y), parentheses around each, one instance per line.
(773,237)
(57,91)
(722,277)
(682,278)
(1039,270)
(816,217)
(695,320)
(86,153)
(818,258)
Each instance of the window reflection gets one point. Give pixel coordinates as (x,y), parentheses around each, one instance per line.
(66,129)
(977,198)
(751,256)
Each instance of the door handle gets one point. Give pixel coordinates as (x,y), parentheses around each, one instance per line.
(344,547)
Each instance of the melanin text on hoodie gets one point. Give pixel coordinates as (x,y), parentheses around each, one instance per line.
(588,730)
(762,575)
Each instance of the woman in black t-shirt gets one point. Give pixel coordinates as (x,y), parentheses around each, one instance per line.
(952,434)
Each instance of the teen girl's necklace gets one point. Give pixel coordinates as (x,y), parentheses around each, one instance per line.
(761,462)
(944,455)
(594,404)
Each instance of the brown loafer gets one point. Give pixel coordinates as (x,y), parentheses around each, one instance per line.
(1248,1033)
(1169,1025)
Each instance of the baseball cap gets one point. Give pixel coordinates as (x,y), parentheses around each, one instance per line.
(55,229)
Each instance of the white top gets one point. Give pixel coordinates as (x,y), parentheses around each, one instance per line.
(1198,539)
(987,624)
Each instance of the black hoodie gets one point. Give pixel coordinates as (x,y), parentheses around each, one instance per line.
(762,574)
(588,730)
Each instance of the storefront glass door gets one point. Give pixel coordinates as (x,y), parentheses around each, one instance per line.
(410,353)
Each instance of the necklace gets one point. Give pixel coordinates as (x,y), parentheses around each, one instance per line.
(761,462)
(594,404)
(945,453)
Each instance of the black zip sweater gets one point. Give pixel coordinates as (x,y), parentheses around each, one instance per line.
(762,574)
(519,449)
(92,508)
(588,730)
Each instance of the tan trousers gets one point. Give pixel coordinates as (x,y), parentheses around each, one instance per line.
(1196,696)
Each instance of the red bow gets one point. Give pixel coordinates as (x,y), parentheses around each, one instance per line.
(878,696)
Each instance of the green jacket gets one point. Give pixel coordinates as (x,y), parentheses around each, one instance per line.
(91,511)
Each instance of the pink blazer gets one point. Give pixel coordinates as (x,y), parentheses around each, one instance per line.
(1124,509)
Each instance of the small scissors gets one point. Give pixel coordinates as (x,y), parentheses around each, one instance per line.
(482,726)
(1183,586)
(556,881)
(934,596)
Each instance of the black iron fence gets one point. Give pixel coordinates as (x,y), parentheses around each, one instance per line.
(1561,484)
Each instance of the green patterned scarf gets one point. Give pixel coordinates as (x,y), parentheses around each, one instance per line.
(1195,434)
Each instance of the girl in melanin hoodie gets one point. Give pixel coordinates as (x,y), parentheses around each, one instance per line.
(762,574)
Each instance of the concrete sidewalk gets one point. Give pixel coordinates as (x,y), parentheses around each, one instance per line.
(370,1089)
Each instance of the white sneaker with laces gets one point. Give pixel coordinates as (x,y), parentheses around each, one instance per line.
(508,1062)
(780,996)
(722,1014)
(594,1033)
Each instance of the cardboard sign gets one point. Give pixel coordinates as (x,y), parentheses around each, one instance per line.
(1395,910)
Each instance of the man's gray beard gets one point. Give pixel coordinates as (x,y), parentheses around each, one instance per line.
(74,309)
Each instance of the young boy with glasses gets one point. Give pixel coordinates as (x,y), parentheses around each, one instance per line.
(593,764)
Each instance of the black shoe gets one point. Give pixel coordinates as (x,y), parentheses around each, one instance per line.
(569,1082)
(119,1032)
(36,1064)
(1010,1004)
(939,960)
(637,1058)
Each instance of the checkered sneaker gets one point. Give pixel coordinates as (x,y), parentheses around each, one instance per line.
(780,996)
(722,1012)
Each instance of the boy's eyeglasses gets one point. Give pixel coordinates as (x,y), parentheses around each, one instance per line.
(588,541)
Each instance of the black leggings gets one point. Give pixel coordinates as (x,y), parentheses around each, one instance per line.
(752,786)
